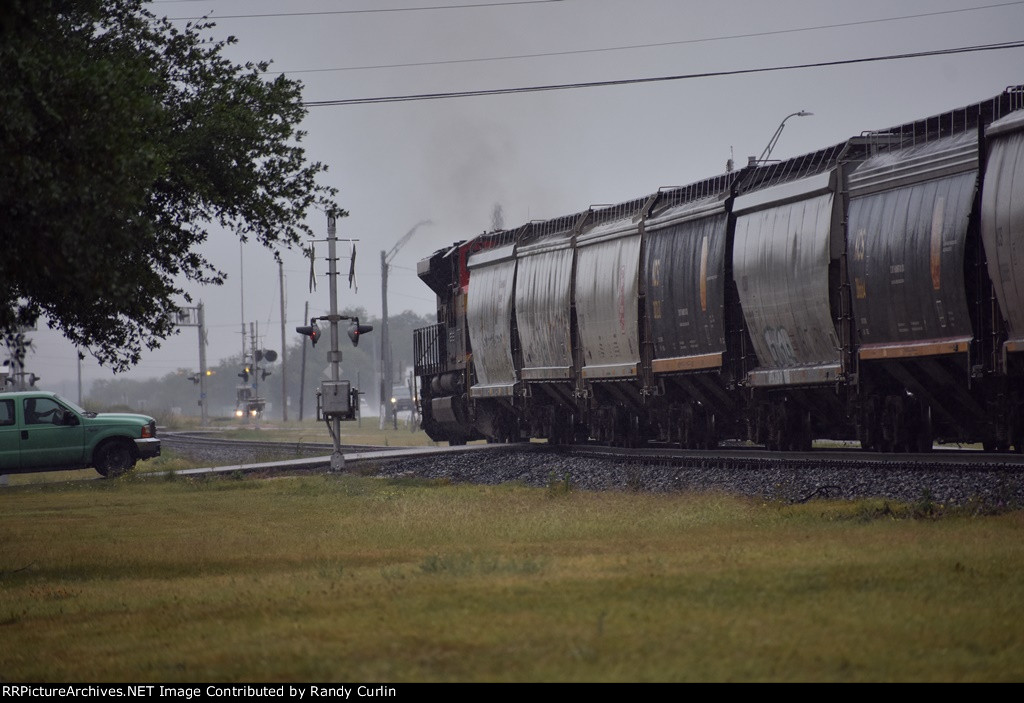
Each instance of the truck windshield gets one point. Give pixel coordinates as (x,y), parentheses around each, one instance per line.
(75,407)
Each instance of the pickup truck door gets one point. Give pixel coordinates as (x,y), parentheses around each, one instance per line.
(45,441)
(10,437)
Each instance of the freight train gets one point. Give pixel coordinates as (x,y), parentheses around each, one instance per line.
(869,291)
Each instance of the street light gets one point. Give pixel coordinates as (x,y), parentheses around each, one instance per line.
(775,137)
(387,413)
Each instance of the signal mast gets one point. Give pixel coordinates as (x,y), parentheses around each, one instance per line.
(336,399)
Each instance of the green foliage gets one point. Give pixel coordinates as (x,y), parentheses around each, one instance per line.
(125,139)
(558,486)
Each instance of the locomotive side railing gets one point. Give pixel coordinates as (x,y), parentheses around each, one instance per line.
(429,350)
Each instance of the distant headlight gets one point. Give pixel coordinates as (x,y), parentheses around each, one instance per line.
(394,400)
(239,413)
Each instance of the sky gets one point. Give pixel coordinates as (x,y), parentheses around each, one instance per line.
(543,154)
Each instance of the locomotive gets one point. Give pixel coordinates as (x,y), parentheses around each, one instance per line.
(870,291)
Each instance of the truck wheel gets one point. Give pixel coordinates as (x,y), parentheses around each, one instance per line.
(114,459)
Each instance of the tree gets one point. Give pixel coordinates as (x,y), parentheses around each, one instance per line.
(124,140)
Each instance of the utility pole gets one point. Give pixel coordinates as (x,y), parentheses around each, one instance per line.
(241,286)
(302,371)
(284,368)
(387,415)
(204,412)
(385,346)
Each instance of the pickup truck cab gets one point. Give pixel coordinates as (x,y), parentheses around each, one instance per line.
(41,431)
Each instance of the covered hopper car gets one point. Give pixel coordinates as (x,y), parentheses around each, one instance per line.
(870,291)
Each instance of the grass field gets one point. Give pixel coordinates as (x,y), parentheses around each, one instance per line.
(367,432)
(344,578)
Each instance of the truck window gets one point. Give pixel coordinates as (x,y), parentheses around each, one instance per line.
(6,412)
(41,411)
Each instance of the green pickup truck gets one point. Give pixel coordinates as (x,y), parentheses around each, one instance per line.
(41,431)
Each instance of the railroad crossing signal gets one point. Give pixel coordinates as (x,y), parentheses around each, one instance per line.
(312,331)
(356,330)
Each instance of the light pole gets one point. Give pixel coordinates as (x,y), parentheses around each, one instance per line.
(775,137)
(387,414)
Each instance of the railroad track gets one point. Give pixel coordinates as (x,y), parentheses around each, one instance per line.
(947,477)
(725,457)
(939,478)
(753,458)
(186,440)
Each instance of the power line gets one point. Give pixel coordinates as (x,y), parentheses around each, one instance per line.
(628,47)
(367,12)
(631,81)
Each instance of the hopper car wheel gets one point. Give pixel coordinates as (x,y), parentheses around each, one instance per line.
(995,445)
(686,434)
(800,431)
(1017,431)
(633,432)
(894,430)
(711,432)
(872,438)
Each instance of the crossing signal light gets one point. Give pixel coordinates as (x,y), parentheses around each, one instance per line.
(312,331)
(245,374)
(356,330)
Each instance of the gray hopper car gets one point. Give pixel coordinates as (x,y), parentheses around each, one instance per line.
(872,291)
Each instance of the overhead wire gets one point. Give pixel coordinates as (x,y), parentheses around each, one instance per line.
(652,45)
(656,79)
(377,10)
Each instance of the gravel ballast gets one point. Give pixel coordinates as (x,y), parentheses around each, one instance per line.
(954,485)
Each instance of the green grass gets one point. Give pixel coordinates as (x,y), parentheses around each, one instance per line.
(347,578)
(169,460)
(367,432)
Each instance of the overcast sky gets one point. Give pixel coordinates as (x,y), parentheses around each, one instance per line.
(544,154)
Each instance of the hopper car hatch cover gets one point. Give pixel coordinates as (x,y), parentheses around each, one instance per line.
(909,214)
(1002,221)
(489,319)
